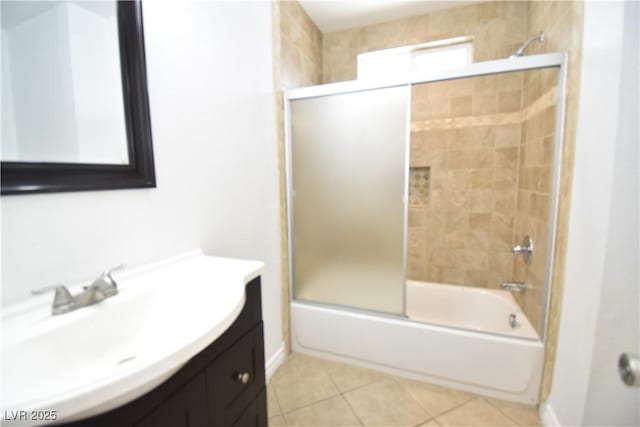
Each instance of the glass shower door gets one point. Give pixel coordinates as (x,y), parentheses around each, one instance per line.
(348,161)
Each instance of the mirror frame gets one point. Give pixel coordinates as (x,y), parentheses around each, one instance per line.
(36,177)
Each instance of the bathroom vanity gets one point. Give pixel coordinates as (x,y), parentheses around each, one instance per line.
(224,385)
(180,345)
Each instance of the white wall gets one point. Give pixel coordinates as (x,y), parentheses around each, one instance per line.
(609,401)
(600,143)
(212,113)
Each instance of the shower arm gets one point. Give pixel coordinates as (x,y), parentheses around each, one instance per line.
(521,49)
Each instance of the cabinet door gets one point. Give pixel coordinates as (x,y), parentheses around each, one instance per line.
(186,408)
(235,378)
(255,414)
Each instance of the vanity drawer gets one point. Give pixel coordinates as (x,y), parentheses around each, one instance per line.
(235,378)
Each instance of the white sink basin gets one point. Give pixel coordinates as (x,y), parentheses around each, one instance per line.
(99,357)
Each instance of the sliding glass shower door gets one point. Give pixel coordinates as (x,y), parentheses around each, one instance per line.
(348,155)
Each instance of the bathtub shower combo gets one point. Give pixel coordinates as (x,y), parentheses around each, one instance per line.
(409,202)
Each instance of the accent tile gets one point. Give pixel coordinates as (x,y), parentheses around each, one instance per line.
(331,412)
(419,186)
(386,403)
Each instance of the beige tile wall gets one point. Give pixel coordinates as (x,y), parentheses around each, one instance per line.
(468,132)
(297,62)
(301,47)
(534,186)
(562,24)
(498,28)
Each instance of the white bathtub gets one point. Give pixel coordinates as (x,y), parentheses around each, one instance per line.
(466,307)
(477,351)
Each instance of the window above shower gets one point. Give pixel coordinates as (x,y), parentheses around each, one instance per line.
(402,61)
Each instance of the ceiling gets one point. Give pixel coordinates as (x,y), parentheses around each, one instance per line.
(335,15)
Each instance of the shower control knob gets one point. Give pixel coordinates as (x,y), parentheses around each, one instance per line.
(243,377)
(629,368)
(526,249)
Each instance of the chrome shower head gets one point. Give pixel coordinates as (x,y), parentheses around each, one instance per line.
(521,49)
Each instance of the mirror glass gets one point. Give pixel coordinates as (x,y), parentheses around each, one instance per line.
(62,91)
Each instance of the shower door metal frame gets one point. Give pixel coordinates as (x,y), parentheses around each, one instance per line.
(290,196)
(500,66)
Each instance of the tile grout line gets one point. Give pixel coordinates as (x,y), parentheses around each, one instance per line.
(342,395)
(309,404)
(277,401)
(279,406)
(504,413)
(386,378)
(353,411)
(315,401)
(283,413)
(454,408)
(406,390)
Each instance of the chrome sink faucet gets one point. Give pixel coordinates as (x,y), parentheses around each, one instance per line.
(101,288)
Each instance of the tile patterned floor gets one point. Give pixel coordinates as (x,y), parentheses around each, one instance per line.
(306,391)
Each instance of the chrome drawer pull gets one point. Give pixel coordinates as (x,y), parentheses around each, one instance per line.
(243,377)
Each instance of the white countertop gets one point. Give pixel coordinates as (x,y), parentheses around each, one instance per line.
(99,357)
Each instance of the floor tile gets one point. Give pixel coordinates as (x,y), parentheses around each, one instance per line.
(277,421)
(331,412)
(386,403)
(273,408)
(348,377)
(295,367)
(307,390)
(477,413)
(300,382)
(523,415)
(435,399)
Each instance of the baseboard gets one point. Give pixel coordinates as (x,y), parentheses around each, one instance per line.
(548,416)
(275,361)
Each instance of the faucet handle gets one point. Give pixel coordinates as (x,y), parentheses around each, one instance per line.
(107,272)
(526,249)
(105,282)
(47,289)
(63,301)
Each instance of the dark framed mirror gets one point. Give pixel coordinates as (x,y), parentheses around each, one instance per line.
(135,166)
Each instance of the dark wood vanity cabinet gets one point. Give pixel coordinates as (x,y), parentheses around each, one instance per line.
(186,408)
(223,385)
